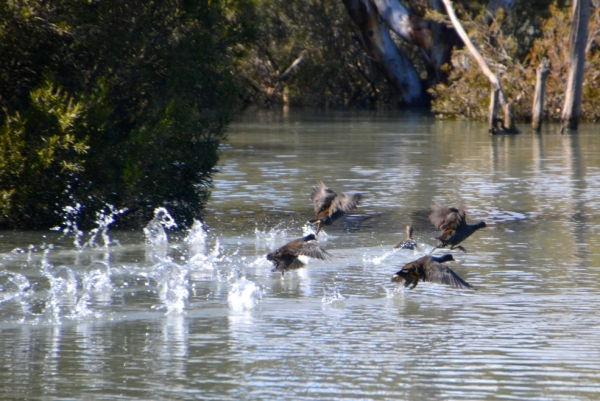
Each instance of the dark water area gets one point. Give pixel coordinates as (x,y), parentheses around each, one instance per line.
(197,314)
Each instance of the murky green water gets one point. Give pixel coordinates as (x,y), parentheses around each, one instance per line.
(199,315)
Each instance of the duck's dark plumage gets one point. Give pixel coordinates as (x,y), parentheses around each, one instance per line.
(409,242)
(453,223)
(330,206)
(430,268)
(286,257)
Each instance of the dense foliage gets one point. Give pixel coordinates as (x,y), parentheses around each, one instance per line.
(114,102)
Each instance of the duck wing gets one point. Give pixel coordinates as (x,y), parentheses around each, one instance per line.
(444,217)
(295,264)
(322,197)
(442,274)
(313,250)
(286,264)
(411,272)
(287,253)
(344,203)
(291,249)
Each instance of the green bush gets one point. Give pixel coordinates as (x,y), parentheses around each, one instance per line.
(118,102)
(40,153)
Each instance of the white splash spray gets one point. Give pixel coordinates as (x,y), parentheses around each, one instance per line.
(12,285)
(244,295)
(196,238)
(156,236)
(173,283)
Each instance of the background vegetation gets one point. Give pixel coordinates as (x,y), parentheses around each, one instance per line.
(334,72)
(515,45)
(125,102)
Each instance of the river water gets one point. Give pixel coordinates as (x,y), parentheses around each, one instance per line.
(168,314)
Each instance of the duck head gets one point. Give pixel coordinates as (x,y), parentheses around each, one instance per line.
(309,237)
(446,258)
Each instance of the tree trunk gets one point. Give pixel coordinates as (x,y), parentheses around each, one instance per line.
(493,110)
(578,40)
(436,40)
(378,44)
(538,101)
(497,93)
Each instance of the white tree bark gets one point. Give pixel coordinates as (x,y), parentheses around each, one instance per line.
(395,16)
(434,39)
(578,41)
(378,44)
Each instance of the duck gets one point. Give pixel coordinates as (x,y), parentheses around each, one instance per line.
(286,257)
(453,223)
(330,206)
(409,242)
(430,268)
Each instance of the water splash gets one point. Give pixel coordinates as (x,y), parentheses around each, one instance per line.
(155,230)
(47,308)
(376,260)
(70,217)
(12,285)
(44,262)
(104,219)
(96,281)
(196,238)
(62,293)
(156,236)
(97,277)
(203,261)
(244,295)
(310,229)
(269,237)
(63,280)
(392,292)
(332,295)
(172,280)
(30,251)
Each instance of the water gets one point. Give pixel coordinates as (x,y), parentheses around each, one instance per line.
(162,313)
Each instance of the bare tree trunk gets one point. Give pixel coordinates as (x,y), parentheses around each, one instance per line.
(538,101)
(578,41)
(436,40)
(497,93)
(493,110)
(378,44)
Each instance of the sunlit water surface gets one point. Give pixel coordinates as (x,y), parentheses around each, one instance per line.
(197,314)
